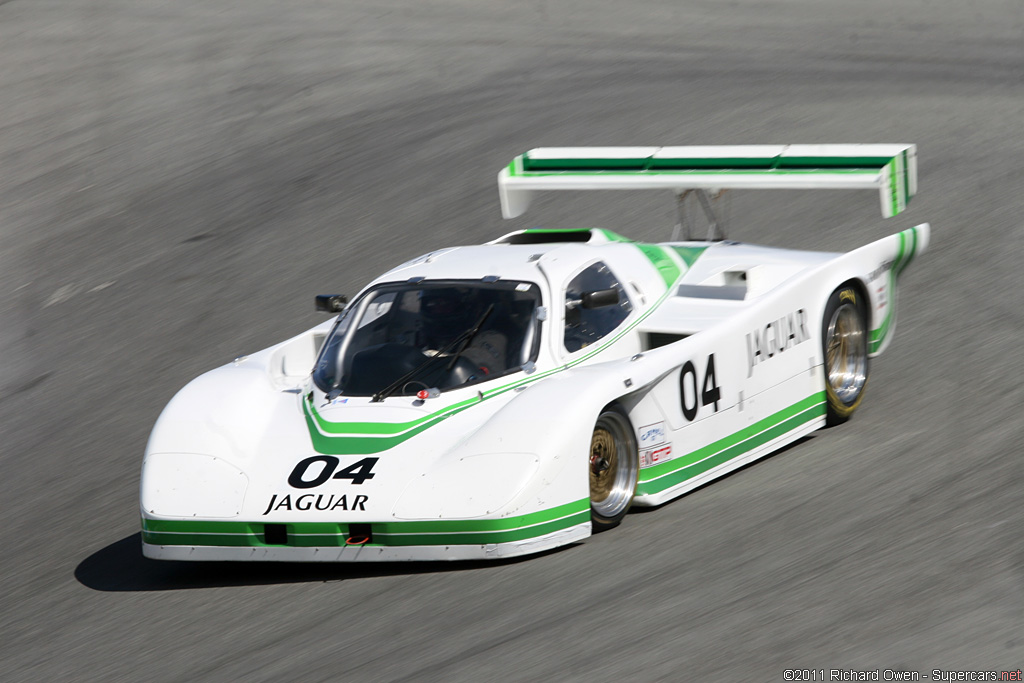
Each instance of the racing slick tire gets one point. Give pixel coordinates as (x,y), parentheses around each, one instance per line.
(614,468)
(844,338)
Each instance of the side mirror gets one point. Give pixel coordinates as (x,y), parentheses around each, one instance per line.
(600,298)
(331,303)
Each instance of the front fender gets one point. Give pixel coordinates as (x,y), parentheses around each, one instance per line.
(532,453)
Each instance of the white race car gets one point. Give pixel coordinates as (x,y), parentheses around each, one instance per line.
(503,399)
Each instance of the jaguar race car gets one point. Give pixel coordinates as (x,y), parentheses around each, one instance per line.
(504,399)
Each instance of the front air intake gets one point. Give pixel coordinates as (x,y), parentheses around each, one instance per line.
(275,534)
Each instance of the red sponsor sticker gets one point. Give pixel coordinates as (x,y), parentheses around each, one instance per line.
(655,455)
(660,454)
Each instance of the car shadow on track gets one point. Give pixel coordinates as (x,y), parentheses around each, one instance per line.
(121,567)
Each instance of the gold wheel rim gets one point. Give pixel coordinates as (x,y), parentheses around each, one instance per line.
(613,466)
(846,354)
(604,459)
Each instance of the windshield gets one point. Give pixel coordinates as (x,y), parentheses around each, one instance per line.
(429,334)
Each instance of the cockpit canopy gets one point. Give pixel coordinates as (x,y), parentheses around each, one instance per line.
(400,338)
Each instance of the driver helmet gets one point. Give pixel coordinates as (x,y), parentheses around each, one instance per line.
(446,312)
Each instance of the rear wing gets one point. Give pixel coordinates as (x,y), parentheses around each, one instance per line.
(889,168)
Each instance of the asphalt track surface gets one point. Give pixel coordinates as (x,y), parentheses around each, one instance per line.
(177,180)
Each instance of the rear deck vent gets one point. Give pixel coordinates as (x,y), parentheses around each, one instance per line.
(547,237)
(275,534)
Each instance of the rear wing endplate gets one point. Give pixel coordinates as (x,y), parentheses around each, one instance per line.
(889,168)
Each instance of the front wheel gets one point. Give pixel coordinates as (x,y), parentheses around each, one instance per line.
(614,467)
(845,345)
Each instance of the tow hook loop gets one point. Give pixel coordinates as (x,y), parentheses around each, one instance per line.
(359,534)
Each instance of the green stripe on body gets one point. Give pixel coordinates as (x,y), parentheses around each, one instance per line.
(471,538)
(904,256)
(386,534)
(911,252)
(666,267)
(666,475)
(381,428)
(612,236)
(906,177)
(893,190)
(689,254)
(346,443)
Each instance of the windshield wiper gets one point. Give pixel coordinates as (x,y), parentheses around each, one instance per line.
(463,338)
(469,334)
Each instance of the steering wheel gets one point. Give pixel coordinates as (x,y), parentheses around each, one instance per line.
(463,372)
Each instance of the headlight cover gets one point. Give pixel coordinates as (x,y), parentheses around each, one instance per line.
(191,485)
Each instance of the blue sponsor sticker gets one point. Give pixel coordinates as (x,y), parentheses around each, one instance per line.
(651,435)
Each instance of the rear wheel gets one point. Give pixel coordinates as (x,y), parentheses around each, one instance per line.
(845,345)
(613,468)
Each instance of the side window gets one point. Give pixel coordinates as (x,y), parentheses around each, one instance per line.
(585,324)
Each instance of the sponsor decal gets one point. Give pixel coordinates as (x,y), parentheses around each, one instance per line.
(776,337)
(653,456)
(883,297)
(315,501)
(312,472)
(651,434)
(881,270)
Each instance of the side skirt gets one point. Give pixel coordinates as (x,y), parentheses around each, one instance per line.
(368,553)
(750,456)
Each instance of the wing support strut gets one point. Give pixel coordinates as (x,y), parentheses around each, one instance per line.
(686,227)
